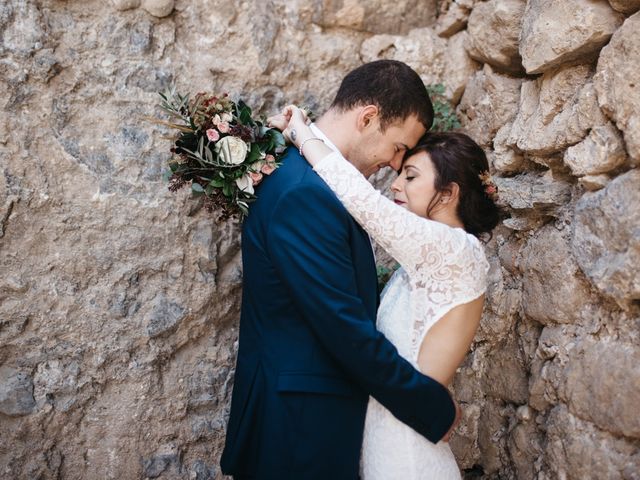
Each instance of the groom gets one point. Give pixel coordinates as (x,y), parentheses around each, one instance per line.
(309,353)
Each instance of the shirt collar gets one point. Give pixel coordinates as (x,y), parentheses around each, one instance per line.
(318,133)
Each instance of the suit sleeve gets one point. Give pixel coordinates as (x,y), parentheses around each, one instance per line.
(308,242)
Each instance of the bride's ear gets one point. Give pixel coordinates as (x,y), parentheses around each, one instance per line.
(367,116)
(451,194)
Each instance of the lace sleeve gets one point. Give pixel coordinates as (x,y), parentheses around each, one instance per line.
(417,243)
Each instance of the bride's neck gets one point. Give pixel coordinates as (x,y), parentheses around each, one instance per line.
(448,217)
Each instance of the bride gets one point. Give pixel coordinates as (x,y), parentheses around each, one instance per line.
(431,307)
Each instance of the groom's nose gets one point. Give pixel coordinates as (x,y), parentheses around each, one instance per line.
(396,163)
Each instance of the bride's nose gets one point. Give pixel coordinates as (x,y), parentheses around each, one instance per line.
(396,185)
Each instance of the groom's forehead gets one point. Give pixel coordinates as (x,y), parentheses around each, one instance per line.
(406,130)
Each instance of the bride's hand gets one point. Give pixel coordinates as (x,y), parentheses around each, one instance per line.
(297,129)
(279,121)
(293,124)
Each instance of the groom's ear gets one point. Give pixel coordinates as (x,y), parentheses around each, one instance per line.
(367,116)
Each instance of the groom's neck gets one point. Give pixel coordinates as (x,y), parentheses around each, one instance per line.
(337,127)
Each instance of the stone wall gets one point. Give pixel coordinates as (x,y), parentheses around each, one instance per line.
(119,300)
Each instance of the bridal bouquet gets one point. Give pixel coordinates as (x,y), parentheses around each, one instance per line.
(220,149)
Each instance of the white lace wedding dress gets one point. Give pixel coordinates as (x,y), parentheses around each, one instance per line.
(442,267)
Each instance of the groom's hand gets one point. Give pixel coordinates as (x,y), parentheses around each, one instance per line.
(456,421)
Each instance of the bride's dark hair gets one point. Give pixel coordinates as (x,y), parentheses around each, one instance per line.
(458,159)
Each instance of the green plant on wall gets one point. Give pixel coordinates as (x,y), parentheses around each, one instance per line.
(445,115)
(384,274)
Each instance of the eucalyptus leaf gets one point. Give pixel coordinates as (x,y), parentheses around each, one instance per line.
(201,147)
(208,154)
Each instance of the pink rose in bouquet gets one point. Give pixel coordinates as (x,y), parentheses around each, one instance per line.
(213,135)
(256,177)
(223,126)
(269,165)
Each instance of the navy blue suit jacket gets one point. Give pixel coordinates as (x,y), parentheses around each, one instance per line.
(309,353)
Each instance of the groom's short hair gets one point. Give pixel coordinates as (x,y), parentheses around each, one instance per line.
(394,87)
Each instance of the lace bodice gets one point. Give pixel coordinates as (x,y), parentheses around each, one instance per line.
(444,266)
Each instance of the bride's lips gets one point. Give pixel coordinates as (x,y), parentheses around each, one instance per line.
(399,202)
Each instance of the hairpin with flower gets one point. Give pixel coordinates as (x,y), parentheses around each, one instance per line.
(490,188)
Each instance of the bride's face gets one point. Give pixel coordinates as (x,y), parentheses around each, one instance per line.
(414,187)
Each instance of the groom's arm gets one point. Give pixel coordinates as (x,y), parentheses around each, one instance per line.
(308,241)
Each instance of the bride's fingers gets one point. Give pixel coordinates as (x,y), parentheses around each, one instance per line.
(279,121)
(305,113)
(288,110)
(298,115)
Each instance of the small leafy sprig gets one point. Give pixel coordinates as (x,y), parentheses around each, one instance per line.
(220,149)
(384,274)
(445,117)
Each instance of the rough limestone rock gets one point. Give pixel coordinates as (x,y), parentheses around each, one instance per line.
(547,366)
(602,151)
(23,31)
(617,85)
(606,242)
(377,16)
(158,8)
(594,182)
(533,191)
(525,444)
(588,452)
(454,20)
(494,27)
(504,302)
(490,100)
(497,384)
(421,49)
(125,4)
(16,392)
(556,32)
(625,6)
(463,443)
(458,68)
(556,111)
(504,158)
(590,382)
(553,290)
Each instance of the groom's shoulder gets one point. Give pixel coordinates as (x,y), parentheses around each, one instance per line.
(295,173)
(295,182)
